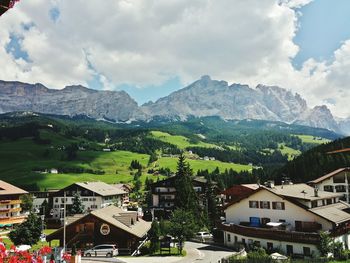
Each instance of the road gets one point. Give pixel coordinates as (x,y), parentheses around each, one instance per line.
(196,253)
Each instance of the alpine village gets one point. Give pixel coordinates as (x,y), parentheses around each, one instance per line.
(211,172)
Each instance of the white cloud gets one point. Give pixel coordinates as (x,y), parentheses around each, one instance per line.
(143,42)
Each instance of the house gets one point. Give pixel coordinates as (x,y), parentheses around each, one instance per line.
(336,182)
(108,225)
(164,192)
(53,171)
(237,192)
(127,189)
(40,196)
(94,195)
(286,217)
(10,204)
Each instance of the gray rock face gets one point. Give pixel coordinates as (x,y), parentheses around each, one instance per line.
(205,97)
(72,100)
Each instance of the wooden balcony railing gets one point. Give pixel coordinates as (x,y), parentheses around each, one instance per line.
(280,235)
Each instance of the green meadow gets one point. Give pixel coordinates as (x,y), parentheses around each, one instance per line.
(312,139)
(180,141)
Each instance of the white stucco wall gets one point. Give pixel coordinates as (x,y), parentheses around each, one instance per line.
(281,245)
(241,211)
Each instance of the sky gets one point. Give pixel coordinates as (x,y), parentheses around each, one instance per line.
(151,48)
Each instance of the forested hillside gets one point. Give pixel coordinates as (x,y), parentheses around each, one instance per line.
(316,162)
(84,149)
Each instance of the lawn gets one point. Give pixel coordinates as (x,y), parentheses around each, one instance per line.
(312,139)
(19,158)
(290,152)
(55,243)
(180,141)
(196,165)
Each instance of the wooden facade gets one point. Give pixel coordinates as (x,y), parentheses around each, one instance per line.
(86,233)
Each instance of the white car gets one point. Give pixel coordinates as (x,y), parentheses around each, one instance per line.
(105,250)
(202,236)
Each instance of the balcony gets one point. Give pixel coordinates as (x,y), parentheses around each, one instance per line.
(265,233)
(10,202)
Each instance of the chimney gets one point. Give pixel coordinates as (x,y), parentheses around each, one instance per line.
(316,191)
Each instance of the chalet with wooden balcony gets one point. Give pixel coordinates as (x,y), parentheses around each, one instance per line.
(286,217)
(94,195)
(10,204)
(164,192)
(108,225)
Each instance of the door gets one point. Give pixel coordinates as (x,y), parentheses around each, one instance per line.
(289,250)
(298,226)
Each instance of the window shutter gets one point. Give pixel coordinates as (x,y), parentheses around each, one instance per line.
(273,205)
(283,207)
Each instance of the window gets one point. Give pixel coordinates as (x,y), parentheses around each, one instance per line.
(56,200)
(314,204)
(340,188)
(289,250)
(228,238)
(236,239)
(282,220)
(269,246)
(243,241)
(329,201)
(264,204)
(306,251)
(253,204)
(278,205)
(328,188)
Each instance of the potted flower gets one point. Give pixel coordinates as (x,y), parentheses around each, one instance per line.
(44,251)
(74,256)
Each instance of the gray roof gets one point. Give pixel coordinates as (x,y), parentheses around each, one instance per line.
(120,219)
(101,188)
(333,212)
(302,191)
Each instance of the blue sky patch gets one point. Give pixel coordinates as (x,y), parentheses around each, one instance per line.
(324,25)
(54,14)
(14,47)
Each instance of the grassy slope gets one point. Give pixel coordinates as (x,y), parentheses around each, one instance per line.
(180,141)
(202,165)
(313,139)
(19,158)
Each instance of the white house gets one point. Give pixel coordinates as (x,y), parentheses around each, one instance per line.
(336,182)
(94,195)
(286,217)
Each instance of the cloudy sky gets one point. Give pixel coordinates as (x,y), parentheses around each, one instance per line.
(152,47)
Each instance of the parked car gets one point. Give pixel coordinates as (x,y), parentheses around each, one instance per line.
(203,236)
(105,250)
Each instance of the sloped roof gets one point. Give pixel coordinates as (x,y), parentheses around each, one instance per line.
(329,175)
(101,188)
(333,212)
(238,191)
(114,216)
(111,214)
(302,191)
(9,189)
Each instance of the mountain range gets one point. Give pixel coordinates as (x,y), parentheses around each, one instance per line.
(204,97)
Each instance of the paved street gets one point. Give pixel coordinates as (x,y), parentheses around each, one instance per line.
(196,252)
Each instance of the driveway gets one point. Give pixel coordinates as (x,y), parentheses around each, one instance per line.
(196,253)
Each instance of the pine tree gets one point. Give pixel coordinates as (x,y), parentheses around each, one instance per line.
(154,235)
(211,203)
(186,197)
(77,205)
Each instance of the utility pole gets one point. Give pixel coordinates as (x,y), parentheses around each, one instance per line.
(64,222)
